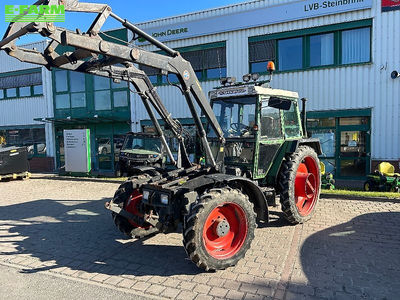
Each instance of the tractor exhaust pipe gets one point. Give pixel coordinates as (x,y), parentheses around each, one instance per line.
(304,117)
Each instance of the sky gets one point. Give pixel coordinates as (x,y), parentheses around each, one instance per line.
(134,10)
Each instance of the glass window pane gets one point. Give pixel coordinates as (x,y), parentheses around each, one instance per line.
(153,79)
(327,140)
(77,81)
(61,81)
(290,54)
(78,100)
(123,84)
(199,75)
(259,67)
(11,93)
(322,122)
(38,89)
(171,77)
(101,83)
(356,45)
(62,101)
(354,121)
(1,94)
(353,144)
(270,122)
(120,99)
(25,91)
(102,100)
(216,73)
(321,49)
(353,167)
(291,122)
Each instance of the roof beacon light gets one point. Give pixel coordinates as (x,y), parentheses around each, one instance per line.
(271,67)
(395,75)
(227,80)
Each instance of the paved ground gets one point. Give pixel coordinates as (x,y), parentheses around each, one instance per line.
(59,229)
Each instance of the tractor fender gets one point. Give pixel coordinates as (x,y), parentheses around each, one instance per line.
(311,142)
(249,187)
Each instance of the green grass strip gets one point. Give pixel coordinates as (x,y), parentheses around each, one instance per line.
(363,194)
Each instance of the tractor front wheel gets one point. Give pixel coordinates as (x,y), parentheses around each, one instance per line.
(219,228)
(300,185)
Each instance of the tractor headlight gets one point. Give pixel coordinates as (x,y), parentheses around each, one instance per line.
(146,195)
(164,199)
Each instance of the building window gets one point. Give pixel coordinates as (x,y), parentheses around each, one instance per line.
(356,46)
(61,78)
(102,100)
(322,50)
(34,139)
(260,52)
(325,46)
(21,85)
(38,89)
(78,95)
(11,93)
(208,62)
(25,91)
(290,53)
(62,101)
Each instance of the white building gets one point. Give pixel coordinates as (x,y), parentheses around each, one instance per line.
(25,95)
(337,54)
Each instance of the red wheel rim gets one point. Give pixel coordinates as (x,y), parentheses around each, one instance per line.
(307,184)
(225,230)
(132,206)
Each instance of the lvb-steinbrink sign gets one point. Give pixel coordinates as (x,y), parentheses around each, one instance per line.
(254,18)
(34,13)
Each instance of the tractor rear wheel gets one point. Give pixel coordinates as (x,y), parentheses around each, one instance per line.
(300,185)
(130,199)
(219,228)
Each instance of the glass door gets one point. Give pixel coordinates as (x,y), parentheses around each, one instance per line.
(104,153)
(353,147)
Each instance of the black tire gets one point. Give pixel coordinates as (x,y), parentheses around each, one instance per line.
(121,197)
(196,219)
(287,179)
(369,185)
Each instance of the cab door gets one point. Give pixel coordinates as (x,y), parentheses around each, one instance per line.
(270,138)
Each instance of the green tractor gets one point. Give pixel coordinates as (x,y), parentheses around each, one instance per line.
(265,154)
(384,179)
(327,180)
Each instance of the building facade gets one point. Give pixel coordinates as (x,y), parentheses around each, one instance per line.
(337,54)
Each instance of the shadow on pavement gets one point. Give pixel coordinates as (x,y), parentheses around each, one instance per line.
(360,257)
(81,235)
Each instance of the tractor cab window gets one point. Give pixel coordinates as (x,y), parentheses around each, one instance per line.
(236,116)
(270,121)
(291,122)
(145,143)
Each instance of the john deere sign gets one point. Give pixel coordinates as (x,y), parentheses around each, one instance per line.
(34,13)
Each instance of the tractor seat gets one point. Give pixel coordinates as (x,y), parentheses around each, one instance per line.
(322,167)
(387,169)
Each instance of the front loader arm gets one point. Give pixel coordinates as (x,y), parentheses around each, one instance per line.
(94,55)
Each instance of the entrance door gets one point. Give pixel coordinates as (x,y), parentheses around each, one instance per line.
(353,147)
(104,153)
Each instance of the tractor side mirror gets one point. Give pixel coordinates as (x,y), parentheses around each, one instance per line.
(279,103)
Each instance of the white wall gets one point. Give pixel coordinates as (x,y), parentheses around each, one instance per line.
(352,87)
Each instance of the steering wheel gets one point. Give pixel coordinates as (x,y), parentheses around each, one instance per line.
(239,126)
(155,148)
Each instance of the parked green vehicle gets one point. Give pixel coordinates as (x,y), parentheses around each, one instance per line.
(140,152)
(327,181)
(384,179)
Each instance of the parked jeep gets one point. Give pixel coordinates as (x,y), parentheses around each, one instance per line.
(140,150)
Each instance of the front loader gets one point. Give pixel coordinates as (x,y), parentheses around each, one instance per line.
(254,145)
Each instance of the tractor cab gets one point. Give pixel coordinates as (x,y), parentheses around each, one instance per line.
(256,121)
